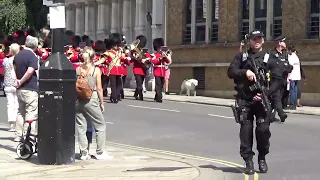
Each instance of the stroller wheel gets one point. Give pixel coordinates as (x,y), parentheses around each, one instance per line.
(24,151)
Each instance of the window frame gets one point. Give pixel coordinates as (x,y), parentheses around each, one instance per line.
(313,15)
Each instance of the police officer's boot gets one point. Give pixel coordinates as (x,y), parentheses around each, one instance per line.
(263,166)
(249,169)
(283,117)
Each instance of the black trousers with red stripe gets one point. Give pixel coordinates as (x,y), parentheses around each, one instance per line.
(159,87)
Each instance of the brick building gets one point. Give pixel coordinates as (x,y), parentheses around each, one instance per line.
(205,35)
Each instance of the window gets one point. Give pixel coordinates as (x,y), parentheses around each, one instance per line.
(245,18)
(277,18)
(187,28)
(214,18)
(260,15)
(201,14)
(314,19)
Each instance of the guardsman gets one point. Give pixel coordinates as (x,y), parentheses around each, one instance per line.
(159,60)
(2,46)
(113,59)
(124,65)
(139,67)
(100,47)
(20,38)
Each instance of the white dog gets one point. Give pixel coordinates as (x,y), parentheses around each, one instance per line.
(189,85)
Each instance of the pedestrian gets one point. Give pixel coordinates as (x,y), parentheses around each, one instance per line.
(26,64)
(10,81)
(294,77)
(250,104)
(91,110)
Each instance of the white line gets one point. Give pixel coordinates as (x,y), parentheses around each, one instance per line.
(109,122)
(171,110)
(227,117)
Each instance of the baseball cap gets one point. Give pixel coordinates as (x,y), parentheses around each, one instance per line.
(256,33)
(280,38)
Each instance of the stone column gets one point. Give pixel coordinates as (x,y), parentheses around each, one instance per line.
(69,17)
(79,26)
(101,28)
(140,27)
(89,19)
(126,19)
(157,18)
(115,17)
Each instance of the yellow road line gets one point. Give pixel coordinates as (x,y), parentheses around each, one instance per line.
(218,161)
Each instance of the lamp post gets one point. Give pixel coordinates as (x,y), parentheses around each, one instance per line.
(57,96)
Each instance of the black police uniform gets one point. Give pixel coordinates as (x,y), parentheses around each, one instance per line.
(249,110)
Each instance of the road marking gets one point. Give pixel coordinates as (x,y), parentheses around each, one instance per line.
(109,122)
(197,104)
(143,107)
(218,161)
(215,115)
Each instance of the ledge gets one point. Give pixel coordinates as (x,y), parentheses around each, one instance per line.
(306,63)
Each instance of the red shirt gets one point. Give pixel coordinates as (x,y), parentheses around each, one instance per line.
(72,55)
(159,64)
(124,64)
(138,66)
(112,54)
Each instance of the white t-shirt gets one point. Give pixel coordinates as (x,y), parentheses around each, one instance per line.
(295,62)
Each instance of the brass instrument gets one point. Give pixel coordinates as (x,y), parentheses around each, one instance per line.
(2,47)
(167,53)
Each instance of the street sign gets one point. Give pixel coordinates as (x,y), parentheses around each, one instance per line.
(47,2)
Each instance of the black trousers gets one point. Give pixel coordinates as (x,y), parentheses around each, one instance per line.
(105,82)
(115,82)
(123,81)
(159,87)
(138,94)
(275,95)
(284,96)
(263,134)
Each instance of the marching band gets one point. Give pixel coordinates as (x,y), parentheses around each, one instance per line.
(113,56)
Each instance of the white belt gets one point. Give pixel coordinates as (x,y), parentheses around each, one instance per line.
(159,66)
(77,63)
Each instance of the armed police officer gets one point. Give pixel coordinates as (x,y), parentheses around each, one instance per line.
(279,68)
(247,72)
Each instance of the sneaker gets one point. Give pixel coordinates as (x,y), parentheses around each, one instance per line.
(104,156)
(17,139)
(85,155)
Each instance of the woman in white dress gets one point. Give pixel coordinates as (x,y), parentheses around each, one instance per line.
(9,86)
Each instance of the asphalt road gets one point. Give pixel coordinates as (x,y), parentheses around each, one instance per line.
(210,131)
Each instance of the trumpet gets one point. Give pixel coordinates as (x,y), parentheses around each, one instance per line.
(166,53)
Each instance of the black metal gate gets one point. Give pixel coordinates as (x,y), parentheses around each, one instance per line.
(199,73)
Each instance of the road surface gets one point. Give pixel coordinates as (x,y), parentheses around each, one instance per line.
(211,133)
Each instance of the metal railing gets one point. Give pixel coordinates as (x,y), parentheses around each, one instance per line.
(276,27)
(187,34)
(313,30)
(214,31)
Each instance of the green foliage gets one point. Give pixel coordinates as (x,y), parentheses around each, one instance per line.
(36,14)
(13,15)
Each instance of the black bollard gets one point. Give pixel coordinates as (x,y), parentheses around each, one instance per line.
(57,97)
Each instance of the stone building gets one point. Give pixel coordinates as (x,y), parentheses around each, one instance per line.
(99,18)
(204,36)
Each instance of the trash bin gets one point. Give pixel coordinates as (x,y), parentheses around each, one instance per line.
(56,118)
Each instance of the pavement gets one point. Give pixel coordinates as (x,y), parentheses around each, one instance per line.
(205,137)
(307,110)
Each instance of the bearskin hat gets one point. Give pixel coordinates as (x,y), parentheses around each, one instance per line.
(143,41)
(107,44)
(75,41)
(99,46)
(10,39)
(157,43)
(115,39)
(19,37)
(31,32)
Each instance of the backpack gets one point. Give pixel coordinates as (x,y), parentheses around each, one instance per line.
(83,89)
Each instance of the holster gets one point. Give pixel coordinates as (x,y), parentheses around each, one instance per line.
(239,111)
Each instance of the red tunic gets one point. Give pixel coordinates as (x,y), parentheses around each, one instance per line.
(73,57)
(102,67)
(138,66)
(124,64)
(111,55)
(159,64)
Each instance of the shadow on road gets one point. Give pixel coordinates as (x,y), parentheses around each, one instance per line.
(7,138)
(4,129)
(224,169)
(161,169)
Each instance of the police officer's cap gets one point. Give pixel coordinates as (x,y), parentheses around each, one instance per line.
(256,33)
(280,39)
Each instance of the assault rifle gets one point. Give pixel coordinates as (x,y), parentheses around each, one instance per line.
(260,86)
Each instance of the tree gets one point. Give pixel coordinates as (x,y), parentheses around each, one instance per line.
(12,15)
(36,14)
